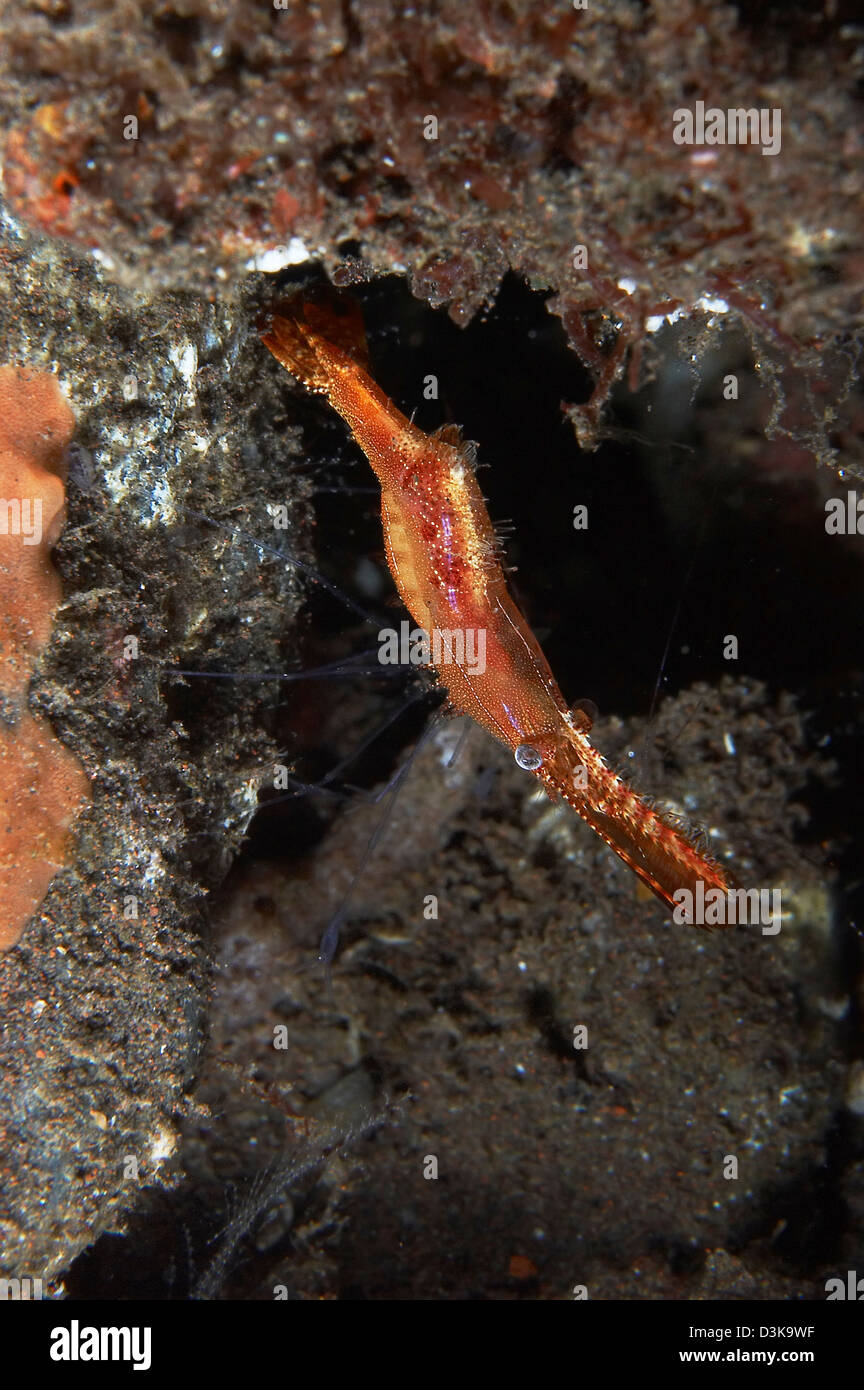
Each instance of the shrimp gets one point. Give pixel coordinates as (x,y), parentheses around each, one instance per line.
(446,563)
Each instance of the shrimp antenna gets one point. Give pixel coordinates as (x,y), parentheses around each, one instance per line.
(287,558)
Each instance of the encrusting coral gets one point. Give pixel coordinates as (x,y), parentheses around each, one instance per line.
(42,784)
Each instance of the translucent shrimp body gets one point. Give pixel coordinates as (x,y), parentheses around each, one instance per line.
(446,564)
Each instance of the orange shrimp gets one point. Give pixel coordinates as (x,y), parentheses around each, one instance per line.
(446,564)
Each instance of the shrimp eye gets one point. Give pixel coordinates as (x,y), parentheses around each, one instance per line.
(528,757)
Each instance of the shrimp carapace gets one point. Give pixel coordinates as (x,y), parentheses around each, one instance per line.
(445,561)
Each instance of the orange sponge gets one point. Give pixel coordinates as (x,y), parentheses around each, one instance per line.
(42,784)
